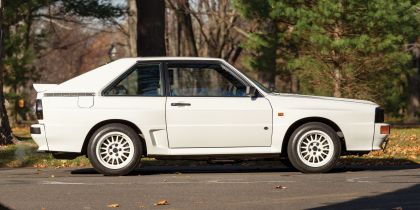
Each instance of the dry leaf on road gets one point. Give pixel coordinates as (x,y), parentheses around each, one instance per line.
(161,203)
(114,205)
(280,187)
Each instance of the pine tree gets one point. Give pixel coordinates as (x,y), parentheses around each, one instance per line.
(340,48)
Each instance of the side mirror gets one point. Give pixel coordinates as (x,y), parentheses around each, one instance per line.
(251,91)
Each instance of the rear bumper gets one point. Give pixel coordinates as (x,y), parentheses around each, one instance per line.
(379,140)
(38,135)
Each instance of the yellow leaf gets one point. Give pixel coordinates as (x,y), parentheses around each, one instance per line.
(113,205)
(161,203)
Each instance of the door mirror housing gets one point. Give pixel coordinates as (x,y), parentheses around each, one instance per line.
(251,91)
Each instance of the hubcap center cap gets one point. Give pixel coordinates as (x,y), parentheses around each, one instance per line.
(115,150)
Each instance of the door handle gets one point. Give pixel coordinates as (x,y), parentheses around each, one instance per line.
(180,104)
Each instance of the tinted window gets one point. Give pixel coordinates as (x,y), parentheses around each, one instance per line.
(144,80)
(203,80)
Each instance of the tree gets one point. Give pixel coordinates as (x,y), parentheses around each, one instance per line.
(344,49)
(132,26)
(413,106)
(273,43)
(185,39)
(6,136)
(151,28)
(357,44)
(20,43)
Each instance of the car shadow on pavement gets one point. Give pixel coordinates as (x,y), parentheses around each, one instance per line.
(407,198)
(254,167)
(153,170)
(3,207)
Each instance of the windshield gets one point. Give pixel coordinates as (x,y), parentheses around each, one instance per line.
(261,86)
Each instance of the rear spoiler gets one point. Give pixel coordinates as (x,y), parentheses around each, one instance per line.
(43,87)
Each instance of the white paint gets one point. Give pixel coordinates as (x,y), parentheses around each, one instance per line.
(166,182)
(219,122)
(217,125)
(62,183)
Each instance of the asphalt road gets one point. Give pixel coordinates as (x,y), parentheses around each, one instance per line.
(212,187)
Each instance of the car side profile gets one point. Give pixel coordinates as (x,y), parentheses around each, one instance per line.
(196,108)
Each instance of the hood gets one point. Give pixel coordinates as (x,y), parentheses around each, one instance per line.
(324,98)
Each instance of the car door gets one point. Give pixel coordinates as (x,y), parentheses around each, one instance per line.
(207,107)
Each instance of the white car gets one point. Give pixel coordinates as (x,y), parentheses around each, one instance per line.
(169,107)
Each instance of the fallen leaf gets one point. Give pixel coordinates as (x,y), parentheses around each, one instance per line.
(113,205)
(43,208)
(280,187)
(161,203)
(397,208)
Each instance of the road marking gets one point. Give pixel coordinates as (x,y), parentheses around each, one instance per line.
(166,182)
(62,183)
(357,179)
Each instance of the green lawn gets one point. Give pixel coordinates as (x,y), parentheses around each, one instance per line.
(403,148)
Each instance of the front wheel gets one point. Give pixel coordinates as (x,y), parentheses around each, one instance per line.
(314,148)
(115,149)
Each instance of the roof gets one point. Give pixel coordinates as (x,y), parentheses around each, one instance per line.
(174,58)
(96,79)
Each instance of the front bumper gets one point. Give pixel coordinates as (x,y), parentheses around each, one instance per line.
(379,140)
(38,135)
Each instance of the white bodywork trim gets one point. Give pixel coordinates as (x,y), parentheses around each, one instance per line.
(68,119)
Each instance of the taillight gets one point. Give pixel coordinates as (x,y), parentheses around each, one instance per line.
(385,129)
(38,109)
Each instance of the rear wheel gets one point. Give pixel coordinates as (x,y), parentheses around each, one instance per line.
(115,149)
(314,148)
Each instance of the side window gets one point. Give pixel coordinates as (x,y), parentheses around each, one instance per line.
(144,80)
(203,80)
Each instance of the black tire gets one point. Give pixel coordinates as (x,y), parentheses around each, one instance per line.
(315,149)
(129,165)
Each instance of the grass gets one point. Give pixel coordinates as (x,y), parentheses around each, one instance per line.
(24,154)
(403,149)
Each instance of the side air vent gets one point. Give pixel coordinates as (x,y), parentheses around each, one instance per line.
(379,115)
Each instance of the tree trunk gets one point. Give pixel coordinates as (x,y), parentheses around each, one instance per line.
(337,82)
(336,61)
(151,28)
(271,54)
(6,136)
(414,86)
(294,84)
(185,24)
(132,32)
